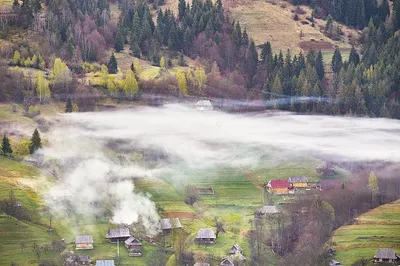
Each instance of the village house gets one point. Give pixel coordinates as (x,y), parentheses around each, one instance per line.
(169,224)
(227,262)
(235,249)
(267,210)
(206,236)
(118,235)
(279,187)
(84,242)
(386,255)
(134,247)
(105,263)
(298,181)
(204,105)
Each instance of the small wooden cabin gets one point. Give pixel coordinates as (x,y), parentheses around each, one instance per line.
(206,236)
(169,224)
(386,255)
(118,234)
(134,247)
(84,242)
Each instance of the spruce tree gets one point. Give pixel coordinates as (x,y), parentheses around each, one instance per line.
(266,53)
(119,41)
(181,9)
(5,146)
(36,142)
(354,57)
(319,66)
(68,106)
(337,61)
(245,38)
(112,65)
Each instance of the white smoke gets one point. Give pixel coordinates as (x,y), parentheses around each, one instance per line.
(191,139)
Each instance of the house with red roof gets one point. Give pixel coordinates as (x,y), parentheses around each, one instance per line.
(279,186)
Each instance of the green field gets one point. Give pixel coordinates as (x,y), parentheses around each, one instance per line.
(378,228)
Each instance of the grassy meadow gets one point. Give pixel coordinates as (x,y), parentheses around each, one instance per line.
(378,228)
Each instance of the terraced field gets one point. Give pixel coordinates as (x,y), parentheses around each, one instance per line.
(378,228)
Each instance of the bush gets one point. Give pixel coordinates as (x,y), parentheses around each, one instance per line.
(33,110)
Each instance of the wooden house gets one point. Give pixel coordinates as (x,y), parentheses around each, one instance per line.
(105,263)
(134,247)
(84,242)
(267,210)
(298,181)
(118,234)
(206,236)
(168,224)
(204,105)
(386,255)
(235,249)
(75,259)
(227,262)
(325,169)
(279,186)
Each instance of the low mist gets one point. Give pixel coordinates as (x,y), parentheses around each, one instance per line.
(96,154)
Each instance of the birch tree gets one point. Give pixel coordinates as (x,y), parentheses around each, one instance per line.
(130,84)
(42,87)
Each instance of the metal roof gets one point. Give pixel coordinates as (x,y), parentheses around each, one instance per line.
(118,232)
(268,210)
(132,240)
(302,179)
(205,233)
(105,263)
(83,239)
(170,223)
(386,253)
(235,248)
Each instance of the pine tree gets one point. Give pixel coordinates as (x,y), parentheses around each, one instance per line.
(135,49)
(112,65)
(68,106)
(251,62)
(119,41)
(245,38)
(136,28)
(337,61)
(266,53)
(6,146)
(36,142)
(181,9)
(319,66)
(354,57)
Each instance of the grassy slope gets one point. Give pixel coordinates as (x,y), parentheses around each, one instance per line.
(378,228)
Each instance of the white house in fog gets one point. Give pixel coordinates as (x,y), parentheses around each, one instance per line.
(204,105)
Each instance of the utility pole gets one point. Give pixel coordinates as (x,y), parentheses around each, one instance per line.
(118,248)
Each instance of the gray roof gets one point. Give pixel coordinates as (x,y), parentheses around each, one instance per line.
(170,223)
(268,210)
(118,232)
(82,239)
(227,262)
(386,253)
(105,263)
(205,233)
(334,263)
(302,179)
(235,248)
(201,264)
(132,240)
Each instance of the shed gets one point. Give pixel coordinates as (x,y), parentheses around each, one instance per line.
(268,210)
(118,234)
(206,236)
(84,242)
(385,255)
(235,249)
(201,264)
(227,262)
(168,224)
(105,263)
(133,246)
(204,105)
(334,263)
